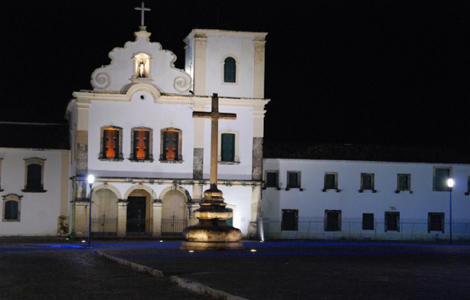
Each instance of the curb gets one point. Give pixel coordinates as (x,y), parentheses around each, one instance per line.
(203,290)
(134,266)
(193,286)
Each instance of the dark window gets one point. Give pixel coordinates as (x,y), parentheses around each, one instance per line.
(11,210)
(272,179)
(404,182)
(34,177)
(290,219)
(293,179)
(436,222)
(440,179)
(230,69)
(367,221)
(111,143)
(228,147)
(367,181)
(332,220)
(170,145)
(330,182)
(392,221)
(141,144)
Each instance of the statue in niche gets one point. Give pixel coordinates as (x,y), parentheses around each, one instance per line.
(141,69)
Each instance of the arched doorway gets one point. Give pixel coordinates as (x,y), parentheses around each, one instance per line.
(104,213)
(174,215)
(138,213)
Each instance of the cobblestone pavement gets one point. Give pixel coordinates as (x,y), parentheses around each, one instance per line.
(282,270)
(40,272)
(322,270)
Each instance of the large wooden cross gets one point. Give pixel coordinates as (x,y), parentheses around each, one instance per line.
(215,116)
(142,9)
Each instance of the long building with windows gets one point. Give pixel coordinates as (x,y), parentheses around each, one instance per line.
(366,192)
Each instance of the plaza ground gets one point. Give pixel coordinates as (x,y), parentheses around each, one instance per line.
(270,270)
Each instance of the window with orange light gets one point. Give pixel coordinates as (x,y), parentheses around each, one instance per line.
(111,143)
(141,144)
(171,145)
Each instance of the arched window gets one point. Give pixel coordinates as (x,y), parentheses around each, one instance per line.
(230,70)
(34,175)
(141,144)
(111,141)
(11,208)
(171,145)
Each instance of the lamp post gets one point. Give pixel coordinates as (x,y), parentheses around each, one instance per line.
(450,184)
(90,180)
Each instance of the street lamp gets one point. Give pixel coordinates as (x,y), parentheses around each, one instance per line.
(90,180)
(450,184)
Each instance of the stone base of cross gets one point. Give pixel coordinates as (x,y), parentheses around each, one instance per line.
(212,231)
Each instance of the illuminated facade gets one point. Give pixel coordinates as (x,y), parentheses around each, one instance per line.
(34,184)
(135,132)
(342,192)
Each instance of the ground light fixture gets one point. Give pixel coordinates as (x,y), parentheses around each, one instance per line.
(90,179)
(450,184)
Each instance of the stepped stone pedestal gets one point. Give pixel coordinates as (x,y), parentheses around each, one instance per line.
(212,231)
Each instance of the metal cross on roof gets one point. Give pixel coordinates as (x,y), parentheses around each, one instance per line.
(142,9)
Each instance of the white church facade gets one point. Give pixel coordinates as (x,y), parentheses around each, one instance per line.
(135,132)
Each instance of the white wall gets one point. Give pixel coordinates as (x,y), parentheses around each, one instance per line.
(137,113)
(147,113)
(237,197)
(312,201)
(243,126)
(242,49)
(39,211)
(119,72)
(204,61)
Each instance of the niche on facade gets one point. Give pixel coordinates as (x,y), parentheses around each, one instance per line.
(141,67)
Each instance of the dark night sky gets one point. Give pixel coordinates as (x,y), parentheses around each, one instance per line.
(392,72)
